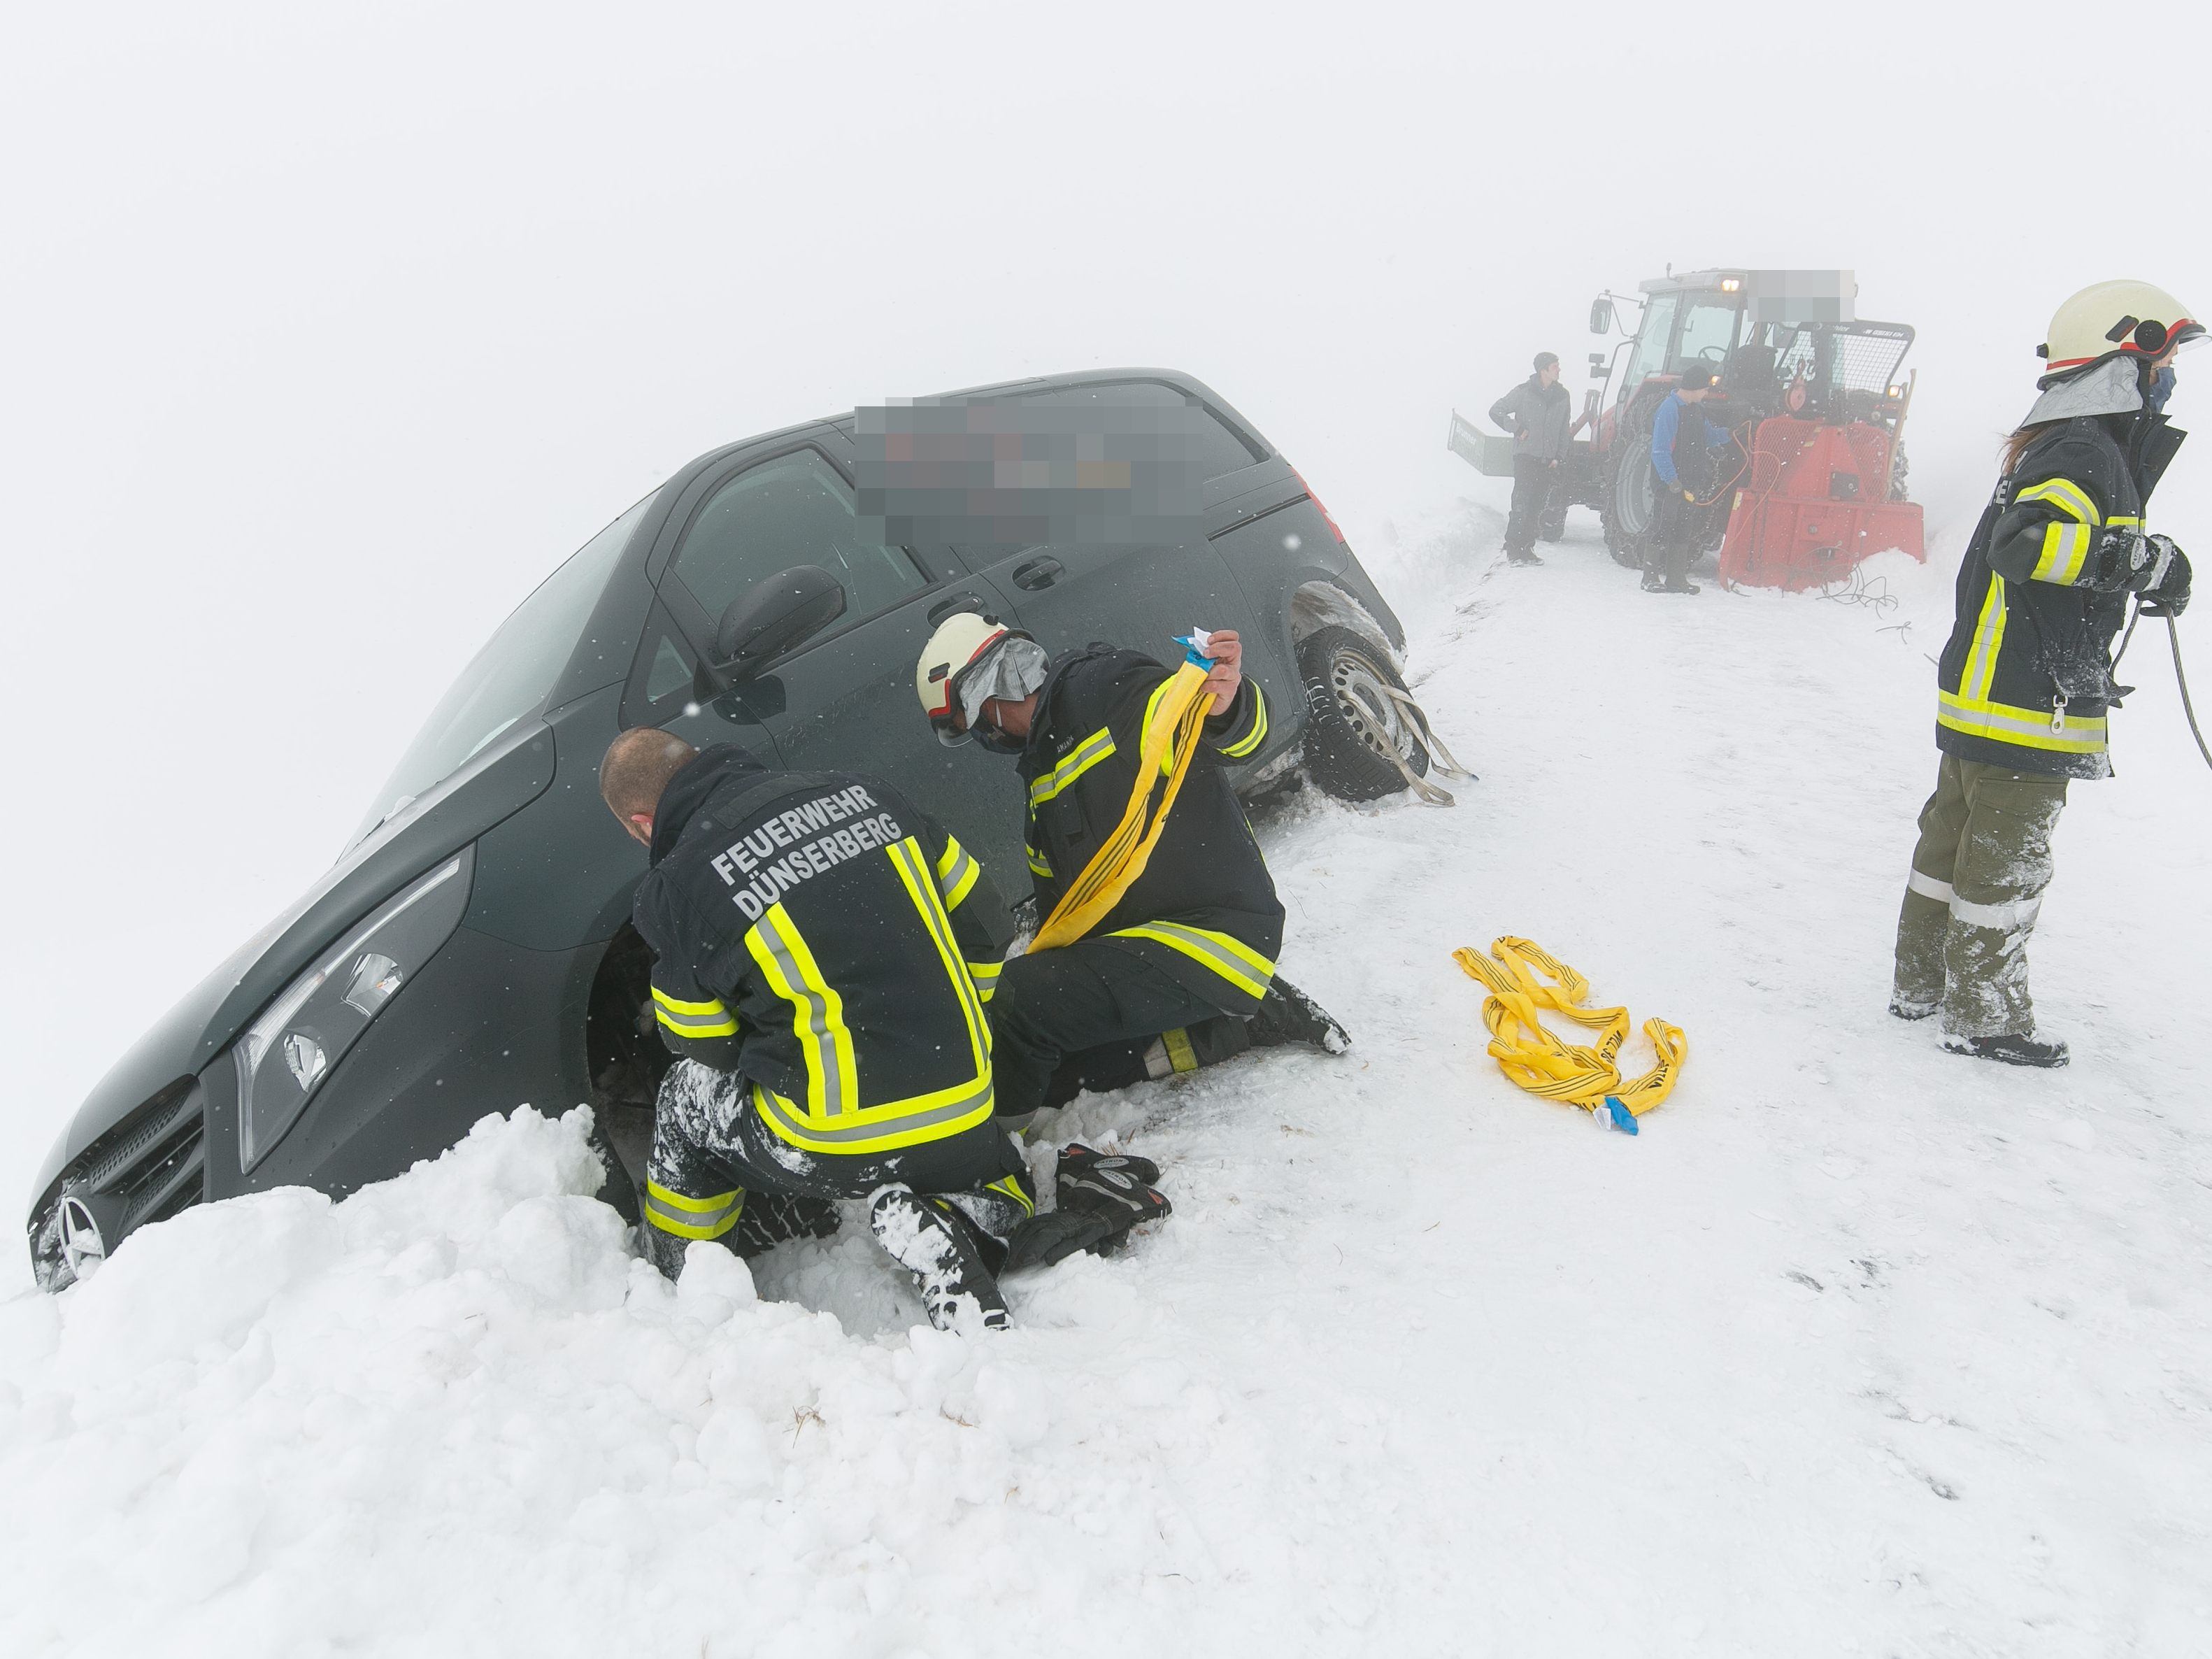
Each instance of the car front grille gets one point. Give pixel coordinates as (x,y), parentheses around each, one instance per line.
(153,1163)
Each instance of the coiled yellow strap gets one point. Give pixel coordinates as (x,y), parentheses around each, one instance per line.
(1525,981)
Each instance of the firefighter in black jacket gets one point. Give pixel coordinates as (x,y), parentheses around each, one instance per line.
(821,974)
(2024,684)
(1180,972)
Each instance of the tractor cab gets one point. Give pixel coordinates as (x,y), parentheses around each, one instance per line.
(1782,342)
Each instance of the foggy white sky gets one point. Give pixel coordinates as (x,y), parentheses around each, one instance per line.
(329,331)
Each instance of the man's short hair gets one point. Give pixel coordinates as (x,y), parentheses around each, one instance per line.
(1546,360)
(1696,377)
(637,767)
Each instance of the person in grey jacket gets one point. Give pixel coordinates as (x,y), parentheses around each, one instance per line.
(1539,413)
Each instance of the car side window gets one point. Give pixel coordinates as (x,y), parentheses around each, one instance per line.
(796,509)
(1217,449)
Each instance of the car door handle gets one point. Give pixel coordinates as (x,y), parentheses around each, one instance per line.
(1038,573)
(957,603)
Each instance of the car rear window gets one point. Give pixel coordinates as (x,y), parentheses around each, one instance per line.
(1221,448)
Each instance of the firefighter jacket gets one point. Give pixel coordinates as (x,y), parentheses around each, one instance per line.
(1205,909)
(818,935)
(2026,678)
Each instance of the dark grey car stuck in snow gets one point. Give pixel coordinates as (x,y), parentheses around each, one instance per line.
(472,950)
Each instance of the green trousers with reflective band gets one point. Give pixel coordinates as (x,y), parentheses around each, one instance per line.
(1978,873)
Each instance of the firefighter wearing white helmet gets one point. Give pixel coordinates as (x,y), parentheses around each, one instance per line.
(1181,970)
(2024,684)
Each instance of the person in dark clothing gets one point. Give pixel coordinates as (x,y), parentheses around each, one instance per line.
(1180,972)
(1539,413)
(1686,448)
(821,974)
(2024,684)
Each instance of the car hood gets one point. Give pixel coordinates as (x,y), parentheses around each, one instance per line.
(491,788)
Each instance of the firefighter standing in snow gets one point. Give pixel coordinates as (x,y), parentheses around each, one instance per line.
(821,974)
(1180,972)
(2025,682)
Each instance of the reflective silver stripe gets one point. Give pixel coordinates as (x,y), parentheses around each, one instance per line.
(1929,887)
(2017,916)
(658,1210)
(1088,753)
(776,1107)
(718,1023)
(1252,739)
(1231,967)
(954,882)
(817,1015)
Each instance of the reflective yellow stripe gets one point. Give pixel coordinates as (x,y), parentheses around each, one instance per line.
(686,1217)
(1039,864)
(2030,728)
(985,975)
(880,1129)
(2064,547)
(1252,739)
(1080,759)
(907,859)
(1181,1055)
(2119,520)
(693,1020)
(1234,960)
(1989,636)
(1012,1186)
(956,873)
(2062,492)
(817,1011)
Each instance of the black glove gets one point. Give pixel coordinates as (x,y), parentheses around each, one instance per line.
(1101,1197)
(2170,596)
(2123,558)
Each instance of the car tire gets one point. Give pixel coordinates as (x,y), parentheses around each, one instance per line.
(1348,720)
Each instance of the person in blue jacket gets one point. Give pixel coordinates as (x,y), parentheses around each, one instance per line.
(1683,455)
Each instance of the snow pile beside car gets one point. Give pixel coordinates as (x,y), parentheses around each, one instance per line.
(451,1413)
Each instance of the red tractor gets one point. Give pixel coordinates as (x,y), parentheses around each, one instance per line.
(1809,392)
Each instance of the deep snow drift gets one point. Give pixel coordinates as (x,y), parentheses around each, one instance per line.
(1857,1348)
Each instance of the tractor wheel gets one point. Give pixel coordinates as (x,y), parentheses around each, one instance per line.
(1349,716)
(1631,499)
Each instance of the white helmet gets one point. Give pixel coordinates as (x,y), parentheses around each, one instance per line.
(957,642)
(2112,318)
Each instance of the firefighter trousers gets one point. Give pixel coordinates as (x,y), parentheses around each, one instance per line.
(717,1172)
(1978,877)
(1093,1016)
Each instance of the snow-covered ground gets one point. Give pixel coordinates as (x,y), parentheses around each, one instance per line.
(1857,1348)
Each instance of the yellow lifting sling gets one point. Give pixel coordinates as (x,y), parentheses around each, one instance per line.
(1171,740)
(1524,981)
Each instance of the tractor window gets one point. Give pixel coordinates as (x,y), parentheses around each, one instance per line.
(1707,331)
(1651,338)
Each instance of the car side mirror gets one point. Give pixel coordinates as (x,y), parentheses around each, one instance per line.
(1600,315)
(772,616)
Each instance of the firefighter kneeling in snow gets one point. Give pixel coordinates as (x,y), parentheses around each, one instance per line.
(2024,684)
(814,972)
(1180,972)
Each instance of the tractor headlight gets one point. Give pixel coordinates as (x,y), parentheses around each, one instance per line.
(287,1054)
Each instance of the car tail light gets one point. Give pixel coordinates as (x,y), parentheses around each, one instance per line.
(1318,507)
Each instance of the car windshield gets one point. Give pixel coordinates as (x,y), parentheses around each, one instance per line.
(509,677)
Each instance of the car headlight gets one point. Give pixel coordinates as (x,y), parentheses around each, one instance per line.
(286,1055)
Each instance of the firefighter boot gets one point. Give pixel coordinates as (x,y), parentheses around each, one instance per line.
(1289,1015)
(934,1247)
(2014,1049)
